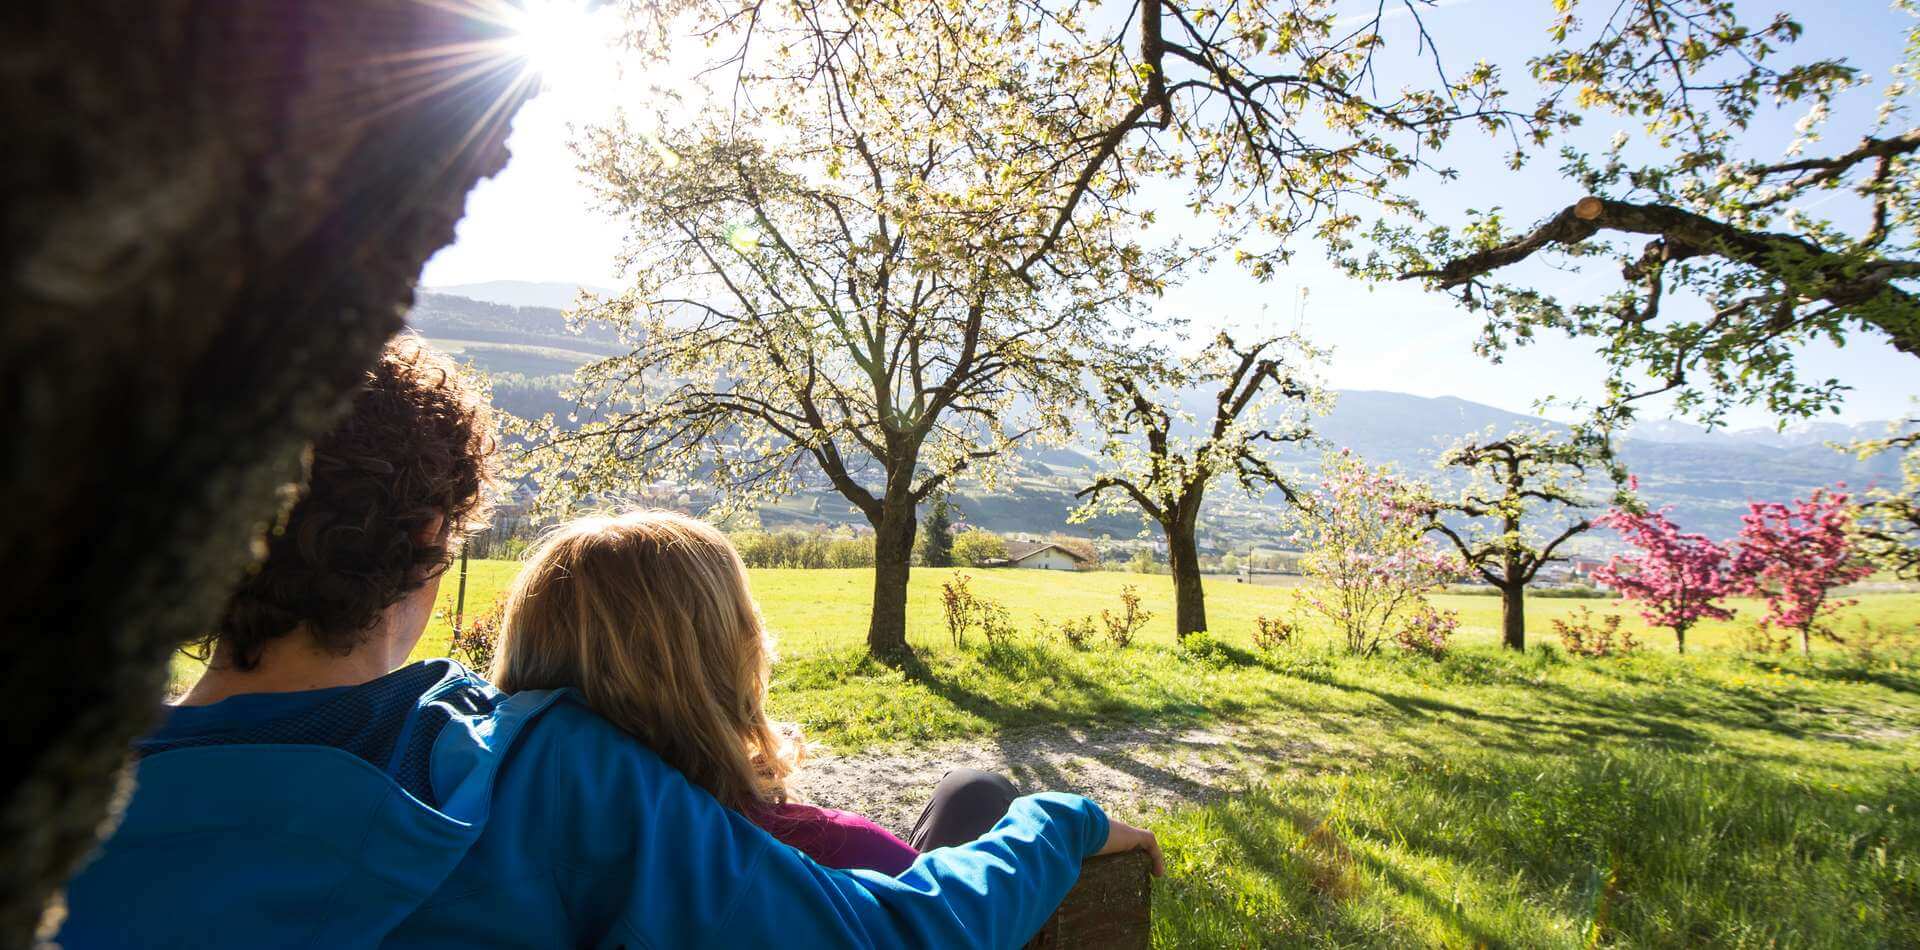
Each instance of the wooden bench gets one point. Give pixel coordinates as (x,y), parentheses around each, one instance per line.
(1110,908)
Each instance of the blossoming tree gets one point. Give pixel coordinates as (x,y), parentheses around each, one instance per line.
(1364,532)
(1677,577)
(1794,556)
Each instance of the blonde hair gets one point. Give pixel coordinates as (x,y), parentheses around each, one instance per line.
(648,616)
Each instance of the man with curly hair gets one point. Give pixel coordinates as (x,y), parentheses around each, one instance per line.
(314,789)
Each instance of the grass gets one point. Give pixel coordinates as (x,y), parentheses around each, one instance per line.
(1487,799)
(812,611)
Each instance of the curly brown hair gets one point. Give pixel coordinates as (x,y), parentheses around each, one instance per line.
(416,446)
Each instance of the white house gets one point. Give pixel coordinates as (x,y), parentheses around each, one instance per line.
(1042,556)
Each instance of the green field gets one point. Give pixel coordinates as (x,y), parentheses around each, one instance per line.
(1489,799)
(815,610)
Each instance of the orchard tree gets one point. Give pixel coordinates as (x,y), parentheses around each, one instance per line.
(1364,533)
(1278,115)
(1889,526)
(1794,556)
(936,546)
(1515,482)
(840,281)
(1162,459)
(1730,257)
(1678,578)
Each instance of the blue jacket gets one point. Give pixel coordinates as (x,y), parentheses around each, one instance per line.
(425,809)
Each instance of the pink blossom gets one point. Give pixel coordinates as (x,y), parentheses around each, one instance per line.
(1677,577)
(1794,556)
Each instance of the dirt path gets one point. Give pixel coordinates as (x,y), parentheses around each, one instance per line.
(1130,770)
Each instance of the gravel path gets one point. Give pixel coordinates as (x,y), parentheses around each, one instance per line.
(1129,771)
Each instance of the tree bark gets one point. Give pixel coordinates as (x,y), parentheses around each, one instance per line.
(892,567)
(214,215)
(1513,616)
(1680,640)
(1189,597)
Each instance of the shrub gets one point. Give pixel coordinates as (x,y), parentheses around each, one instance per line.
(965,610)
(957,605)
(1200,646)
(1272,633)
(473,646)
(1581,635)
(1869,641)
(1427,630)
(1078,633)
(1121,629)
(1757,637)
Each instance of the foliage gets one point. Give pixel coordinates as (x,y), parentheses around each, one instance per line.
(1272,633)
(1794,556)
(936,537)
(1677,578)
(1754,636)
(841,275)
(1122,628)
(1363,530)
(1201,647)
(1426,630)
(1153,466)
(473,646)
(1868,642)
(1512,478)
(1699,212)
(813,550)
(976,548)
(1584,635)
(1890,519)
(1078,632)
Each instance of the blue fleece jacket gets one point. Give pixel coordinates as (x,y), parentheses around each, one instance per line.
(424,809)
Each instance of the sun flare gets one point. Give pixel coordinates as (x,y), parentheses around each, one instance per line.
(571,46)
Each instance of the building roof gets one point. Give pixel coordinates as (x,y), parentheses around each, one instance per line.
(1018,551)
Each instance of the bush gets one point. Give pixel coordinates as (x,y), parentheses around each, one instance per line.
(976,548)
(1272,633)
(1580,635)
(1078,633)
(1757,637)
(1869,642)
(473,647)
(1200,646)
(1120,629)
(964,610)
(1427,631)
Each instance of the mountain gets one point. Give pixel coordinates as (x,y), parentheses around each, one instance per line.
(1706,476)
(520,293)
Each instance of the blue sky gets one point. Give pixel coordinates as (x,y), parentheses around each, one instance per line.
(534,221)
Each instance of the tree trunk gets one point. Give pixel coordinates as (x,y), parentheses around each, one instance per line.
(892,565)
(1680,640)
(214,215)
(1806,642)
(1513,617)
(1189,597)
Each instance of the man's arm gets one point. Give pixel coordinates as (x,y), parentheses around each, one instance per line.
(654,861)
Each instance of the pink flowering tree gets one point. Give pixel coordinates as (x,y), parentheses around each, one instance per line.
(1364,533)
(1678,578)
(1793,556)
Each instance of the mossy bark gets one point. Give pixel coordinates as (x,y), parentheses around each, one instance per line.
(213,219)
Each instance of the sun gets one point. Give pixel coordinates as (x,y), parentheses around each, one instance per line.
(571,46)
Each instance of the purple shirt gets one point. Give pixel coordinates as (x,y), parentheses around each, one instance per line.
(836,839)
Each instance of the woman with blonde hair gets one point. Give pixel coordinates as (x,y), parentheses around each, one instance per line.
(648,616)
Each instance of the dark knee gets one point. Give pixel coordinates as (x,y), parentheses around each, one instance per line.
(974,784)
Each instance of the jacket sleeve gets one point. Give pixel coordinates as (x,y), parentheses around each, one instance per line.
(660,863)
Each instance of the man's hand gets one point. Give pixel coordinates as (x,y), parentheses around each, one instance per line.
(1124,837)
